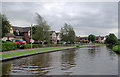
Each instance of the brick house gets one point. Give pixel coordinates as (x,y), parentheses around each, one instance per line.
(18,33)
(99,39)
(22,33)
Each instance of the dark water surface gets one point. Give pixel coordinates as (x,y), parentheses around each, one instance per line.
(82,61)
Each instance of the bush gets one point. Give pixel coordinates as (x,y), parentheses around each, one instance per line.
(51,45)
(6,46)
(23,46)
(77,46)
(116,48)
(29,46)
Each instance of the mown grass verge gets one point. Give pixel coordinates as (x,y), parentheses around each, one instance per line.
(11,54)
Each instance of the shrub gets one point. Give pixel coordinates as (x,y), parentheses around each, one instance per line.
(23,46)
(29,46)
(51,45)
(6,46)
(77,46)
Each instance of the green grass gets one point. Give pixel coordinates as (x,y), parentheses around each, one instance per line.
(5,55)
(11,54)
(88,45)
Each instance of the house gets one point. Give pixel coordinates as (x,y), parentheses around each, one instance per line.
(18,33)
(99,39)
(58,37)
(53,37)
(9,36)
(84,39)
(22,33)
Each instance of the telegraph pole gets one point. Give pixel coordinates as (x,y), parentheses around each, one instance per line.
(31,36)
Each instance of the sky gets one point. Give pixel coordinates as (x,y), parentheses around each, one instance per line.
(98,18)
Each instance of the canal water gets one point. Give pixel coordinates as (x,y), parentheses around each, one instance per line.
(81,61)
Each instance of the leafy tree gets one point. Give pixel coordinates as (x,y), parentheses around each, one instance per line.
(41,30)
(111,39)
(91,38)
(5,24)
(67,33)
(0,25)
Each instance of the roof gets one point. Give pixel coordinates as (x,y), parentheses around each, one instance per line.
(20,37)
(9,35)
(50,32)
(102,37)
(83,38)
(21,29)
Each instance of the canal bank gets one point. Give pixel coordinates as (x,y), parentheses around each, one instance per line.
(20,54)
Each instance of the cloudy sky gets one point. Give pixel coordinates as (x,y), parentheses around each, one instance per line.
(99,18)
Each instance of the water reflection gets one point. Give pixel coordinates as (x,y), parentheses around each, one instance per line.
(92,52)
(82,61)
(68,61)
(31,65)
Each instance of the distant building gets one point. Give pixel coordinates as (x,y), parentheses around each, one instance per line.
(84,39)
(53,37)
(99,39)
(58,37)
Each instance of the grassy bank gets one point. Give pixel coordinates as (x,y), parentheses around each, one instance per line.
(11,54)
(5,55)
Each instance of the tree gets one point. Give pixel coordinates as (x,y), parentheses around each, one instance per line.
(111,39)
(67,33)
(91,38)
(41,30)
(5,24)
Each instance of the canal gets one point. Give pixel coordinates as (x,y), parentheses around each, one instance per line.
(81,61)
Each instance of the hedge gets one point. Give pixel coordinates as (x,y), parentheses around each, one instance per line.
(54,45)
(9,46)
(27,46)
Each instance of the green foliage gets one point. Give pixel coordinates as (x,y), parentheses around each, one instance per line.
(28,46)
(5,25)
(77,46)
(9,46)
(41,30)
(116,48)
(92,38)
(51,45)
(111,39)
(68,34)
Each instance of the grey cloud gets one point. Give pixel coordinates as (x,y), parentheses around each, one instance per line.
(86,18)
